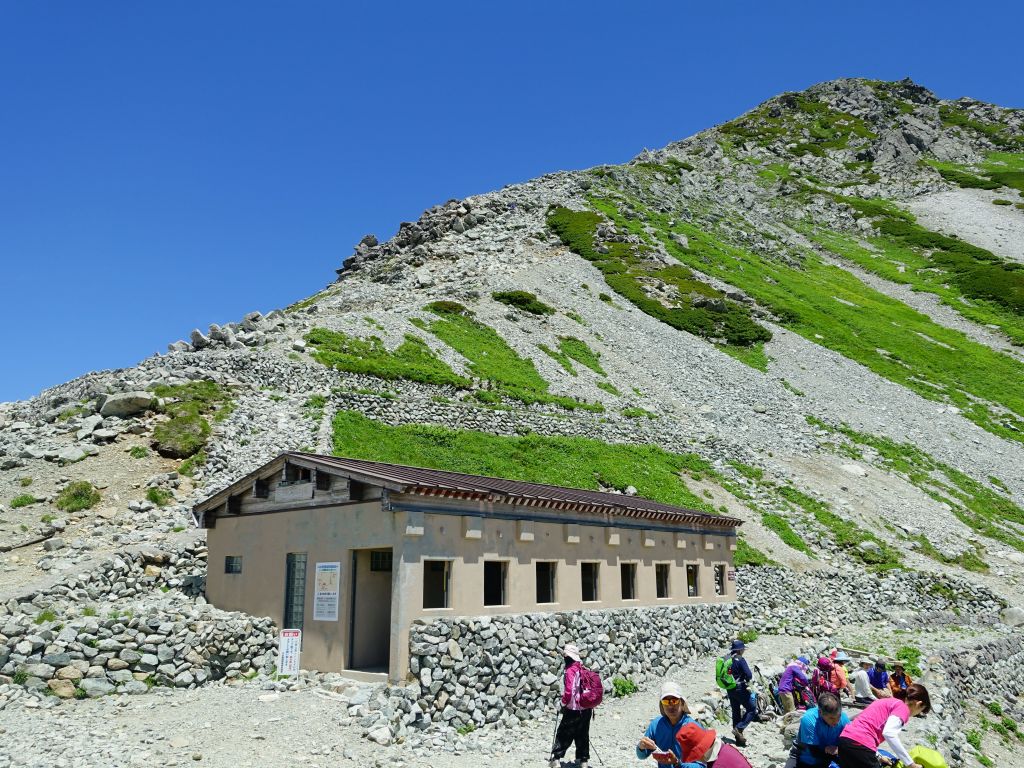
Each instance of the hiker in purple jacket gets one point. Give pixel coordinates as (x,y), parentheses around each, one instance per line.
(794,678)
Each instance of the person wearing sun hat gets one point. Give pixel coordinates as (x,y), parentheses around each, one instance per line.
(660,736)
(701,748)
(899,681)
(574,727)
(840,676)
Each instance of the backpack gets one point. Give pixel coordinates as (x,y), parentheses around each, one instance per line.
(821,682)
(723,673)
(591,688)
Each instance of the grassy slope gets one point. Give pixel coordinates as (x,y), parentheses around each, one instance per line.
(831,307)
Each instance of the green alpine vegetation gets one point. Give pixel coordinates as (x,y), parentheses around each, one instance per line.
(694,306)
(899,262)
(523,300)
(801,124)
(998,169)
(983,509)
(573,462)
(571,349)
(829,306)
(847,535)
(784,530)
(491,359)
(412,360)
(186,431)
(77,496)
(956,115)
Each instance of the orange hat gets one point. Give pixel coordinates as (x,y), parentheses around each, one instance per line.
(694,742)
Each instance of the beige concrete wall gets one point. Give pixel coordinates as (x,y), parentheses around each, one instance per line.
(327,534)
(469,541)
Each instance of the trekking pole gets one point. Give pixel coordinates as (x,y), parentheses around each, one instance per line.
(554,735)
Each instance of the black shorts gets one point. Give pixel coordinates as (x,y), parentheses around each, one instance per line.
(854,755)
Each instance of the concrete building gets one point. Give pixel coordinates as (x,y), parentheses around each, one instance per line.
(352,552)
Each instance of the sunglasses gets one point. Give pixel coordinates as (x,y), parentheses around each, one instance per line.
(670,701)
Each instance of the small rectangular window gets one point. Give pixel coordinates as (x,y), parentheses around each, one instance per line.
(233,564)
(589,573)
(661,571)
(546,582)
(495,582)
(719,579)
(627,575)
(380,560)
(295,590)
(436,583)
(692,585)
(261,490)
(323,481)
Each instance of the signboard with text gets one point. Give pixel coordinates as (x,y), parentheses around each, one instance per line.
(325,591)
(289,645)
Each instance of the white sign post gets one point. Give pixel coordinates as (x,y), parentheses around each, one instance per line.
(326,589)
(289,645)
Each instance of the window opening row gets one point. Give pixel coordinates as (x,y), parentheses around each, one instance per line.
(437,576)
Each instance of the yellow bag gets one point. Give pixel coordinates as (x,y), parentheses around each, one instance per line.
(927,758)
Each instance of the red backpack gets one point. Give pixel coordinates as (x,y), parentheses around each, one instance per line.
(591,688)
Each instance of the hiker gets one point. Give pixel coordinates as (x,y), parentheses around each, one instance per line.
(794,677)
(744,706)
(701,748)
(882,721)
(575,724)
(817,740)
(840,678)
(899,681)
(879,679)
(863,692)
(660,736)
(822,679)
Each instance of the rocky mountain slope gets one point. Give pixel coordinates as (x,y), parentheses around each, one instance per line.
(811,317)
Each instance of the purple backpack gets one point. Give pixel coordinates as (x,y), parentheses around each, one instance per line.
(591,688)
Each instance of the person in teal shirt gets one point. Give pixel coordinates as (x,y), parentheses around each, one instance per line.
(818,739)
(660,735)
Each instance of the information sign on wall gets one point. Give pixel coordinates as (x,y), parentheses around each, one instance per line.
(289,644)
(326,590)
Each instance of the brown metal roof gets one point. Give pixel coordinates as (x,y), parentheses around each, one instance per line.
(438,482)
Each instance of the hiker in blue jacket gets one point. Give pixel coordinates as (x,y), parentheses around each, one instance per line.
(744,706)
(661,733)
(817,741)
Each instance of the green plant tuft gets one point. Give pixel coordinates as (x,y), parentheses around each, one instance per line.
(623,686)
(77,496)
(22,500)
(524,301)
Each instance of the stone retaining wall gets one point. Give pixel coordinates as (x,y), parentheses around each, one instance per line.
(503,668)
(992,672)
(135,621)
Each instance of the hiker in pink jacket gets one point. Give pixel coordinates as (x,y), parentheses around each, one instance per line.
(575,723)
(882,720)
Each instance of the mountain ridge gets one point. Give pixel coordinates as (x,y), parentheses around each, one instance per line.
(787,193)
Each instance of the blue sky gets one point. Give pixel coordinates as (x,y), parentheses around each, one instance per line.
(169,165)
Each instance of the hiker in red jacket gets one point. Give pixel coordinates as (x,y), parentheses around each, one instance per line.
(575,723)
(704,748)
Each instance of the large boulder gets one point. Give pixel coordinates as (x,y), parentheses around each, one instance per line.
(125,404)
(1013,616)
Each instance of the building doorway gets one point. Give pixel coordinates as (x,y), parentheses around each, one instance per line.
(370,640)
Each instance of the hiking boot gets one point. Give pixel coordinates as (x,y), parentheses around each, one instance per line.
(554,762)
(584,764)
(737,734)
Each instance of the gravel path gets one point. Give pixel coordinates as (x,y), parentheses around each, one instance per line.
(224,727)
